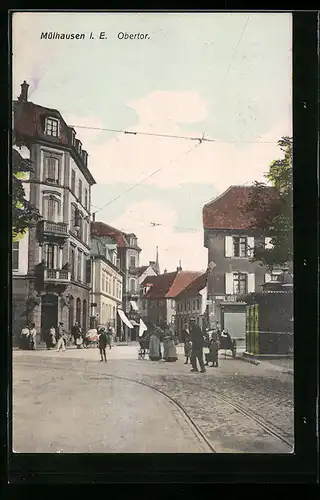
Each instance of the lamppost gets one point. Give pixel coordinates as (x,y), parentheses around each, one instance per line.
(210,295)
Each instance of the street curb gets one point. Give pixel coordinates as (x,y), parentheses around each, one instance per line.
(248,360)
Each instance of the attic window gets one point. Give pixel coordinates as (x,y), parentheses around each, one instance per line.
(52,127)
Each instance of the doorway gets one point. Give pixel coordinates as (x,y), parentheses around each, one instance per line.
(49,313)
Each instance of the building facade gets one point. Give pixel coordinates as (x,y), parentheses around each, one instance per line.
(128,256)
(191,303)
(51,262)
(230,240)
(159,294)
(107,282)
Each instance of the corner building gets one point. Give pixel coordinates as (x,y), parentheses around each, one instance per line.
(51,262)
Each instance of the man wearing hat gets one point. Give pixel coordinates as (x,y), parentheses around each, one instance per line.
(197,346)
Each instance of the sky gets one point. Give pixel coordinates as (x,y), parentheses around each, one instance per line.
(227,76)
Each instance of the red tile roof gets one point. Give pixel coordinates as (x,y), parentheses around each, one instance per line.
(160,285)
(102,229)
(168,285)
(193,289)
(227,211)
(181,281)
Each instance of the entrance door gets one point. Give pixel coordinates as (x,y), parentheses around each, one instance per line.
(49,313)
(235,323)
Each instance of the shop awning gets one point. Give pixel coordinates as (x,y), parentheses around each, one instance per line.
(124,318)
(134,305)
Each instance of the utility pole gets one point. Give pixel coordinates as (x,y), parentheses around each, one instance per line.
(211,301)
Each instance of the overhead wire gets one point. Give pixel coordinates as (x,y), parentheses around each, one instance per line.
(146,178)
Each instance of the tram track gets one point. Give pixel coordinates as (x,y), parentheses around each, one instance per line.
(249,414)
(263,423)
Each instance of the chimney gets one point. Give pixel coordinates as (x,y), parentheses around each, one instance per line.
(179,268)
(164,272)
(24,92)
(93,217)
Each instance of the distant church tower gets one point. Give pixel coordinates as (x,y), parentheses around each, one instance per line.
(157,267)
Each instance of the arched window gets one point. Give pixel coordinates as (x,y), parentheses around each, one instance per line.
(71,313)
(84,315)
(78,311)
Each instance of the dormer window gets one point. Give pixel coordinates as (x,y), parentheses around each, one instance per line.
(73,137)
(52,127)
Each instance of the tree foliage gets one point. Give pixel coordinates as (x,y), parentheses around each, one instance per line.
(24,213)
(271,210)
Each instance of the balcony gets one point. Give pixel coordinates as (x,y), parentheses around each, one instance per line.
(57,275)
(52,231)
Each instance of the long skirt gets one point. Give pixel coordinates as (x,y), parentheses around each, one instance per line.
(154,348)
(170,353)
(187,349)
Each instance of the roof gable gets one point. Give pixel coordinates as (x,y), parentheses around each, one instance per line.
(227,211)
(194,288)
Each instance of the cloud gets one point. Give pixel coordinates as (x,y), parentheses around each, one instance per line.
(29,62)
(173,247)
(132,158)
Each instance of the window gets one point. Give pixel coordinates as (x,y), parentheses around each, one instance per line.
(194,305)
(86,198)
(240,283)
(84,275)
(132,285)
(52,127)
(80,190)
(15,256)
(72,262)
(113,287)
(51,169)
(132,261)
(79,265)
(50,208)
(85,231)
(50,256)
(73,181)
(240,246)
(198,303)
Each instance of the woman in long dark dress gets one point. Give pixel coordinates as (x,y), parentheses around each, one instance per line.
(214,346)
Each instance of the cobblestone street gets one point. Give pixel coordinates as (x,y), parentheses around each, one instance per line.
(70,402)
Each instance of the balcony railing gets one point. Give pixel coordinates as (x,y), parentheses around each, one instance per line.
(48,228)
(61,275)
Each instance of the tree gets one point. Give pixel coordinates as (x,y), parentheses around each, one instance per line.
(271,210)
(24,214)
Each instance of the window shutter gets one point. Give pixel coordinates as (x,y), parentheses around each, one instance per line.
(228,246)
(229,283)
(251,282)
(250,243)
(267,243)
(267,278)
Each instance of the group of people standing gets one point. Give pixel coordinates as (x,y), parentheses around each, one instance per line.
(155,337)
(28,337)
(195,340)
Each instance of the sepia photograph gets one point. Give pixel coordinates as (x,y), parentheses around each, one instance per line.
(152,233)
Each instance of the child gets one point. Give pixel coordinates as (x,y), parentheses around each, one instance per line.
(103,341)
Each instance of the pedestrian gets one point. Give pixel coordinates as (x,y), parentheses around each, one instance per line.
(51,338)
(61,337)
(33,336)
(103,344)
(154,343)
(24,337)
(214,346)
(76,332)
(109,336)
(197,346)
(186,338)
(169,346)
